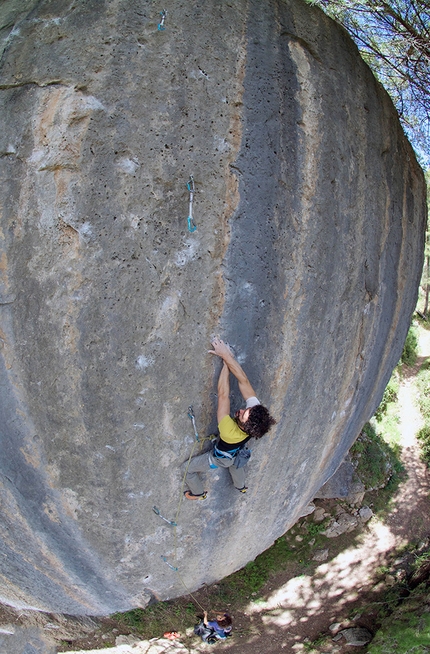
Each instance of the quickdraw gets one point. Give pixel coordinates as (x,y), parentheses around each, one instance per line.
(157,512)
(191,224)
(193,421)
(163,15)
(172,567)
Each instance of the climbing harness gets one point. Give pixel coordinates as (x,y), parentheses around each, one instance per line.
(193,420)
(169,522)
(172,567)
(190,186)
(220,454)
(163,15)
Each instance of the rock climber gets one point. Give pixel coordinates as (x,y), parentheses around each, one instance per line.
(251,422)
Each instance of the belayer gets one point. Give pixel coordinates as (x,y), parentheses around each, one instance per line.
(229,451)
(212,630)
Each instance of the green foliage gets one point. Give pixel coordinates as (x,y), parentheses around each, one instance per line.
(424,438)
(377,461)
(403,632)
(390,395)
(158,618)
(403,609)
(255,574)
(315,645)
(315,528)
(410,348)
(423,385)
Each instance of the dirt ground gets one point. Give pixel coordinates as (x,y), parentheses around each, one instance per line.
(295,609)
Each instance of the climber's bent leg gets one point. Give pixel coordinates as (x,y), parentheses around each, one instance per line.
(238,476)
(197,465)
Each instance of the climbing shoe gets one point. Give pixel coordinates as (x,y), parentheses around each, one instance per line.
(242,490)
(188,494)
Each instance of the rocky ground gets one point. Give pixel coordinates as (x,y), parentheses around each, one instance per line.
(330,607)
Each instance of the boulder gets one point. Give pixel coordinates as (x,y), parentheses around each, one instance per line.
(304,250)
(320,514)
(355,636)
(338,486)
(344,523)
(307,510)
(365,513)
(320,555)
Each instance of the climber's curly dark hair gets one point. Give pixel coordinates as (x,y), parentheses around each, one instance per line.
(259,421)
(226,621)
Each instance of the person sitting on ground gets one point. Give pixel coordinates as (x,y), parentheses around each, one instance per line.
(252,422)
(221,625)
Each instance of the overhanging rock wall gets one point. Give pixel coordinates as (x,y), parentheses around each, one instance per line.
(310,215)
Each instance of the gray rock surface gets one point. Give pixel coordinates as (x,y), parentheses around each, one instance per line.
(365,513)
(320,514)
(310,214)
(30,640)
(307,510)
(356,636)
(344,523)
(339,484)
(321,555)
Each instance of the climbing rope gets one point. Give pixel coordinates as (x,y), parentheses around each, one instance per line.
(190,186)
(174,523)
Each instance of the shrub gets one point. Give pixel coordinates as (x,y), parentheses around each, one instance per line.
(410,348)
(376,461)
(405,631)
(423,384)
(424,437)
(390,395)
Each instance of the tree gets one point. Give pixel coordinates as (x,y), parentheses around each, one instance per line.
(393,36)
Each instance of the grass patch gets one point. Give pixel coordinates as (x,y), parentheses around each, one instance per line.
(405,631)
(315,645)
(158,618)
(249,580)
(424,439)
(423,386)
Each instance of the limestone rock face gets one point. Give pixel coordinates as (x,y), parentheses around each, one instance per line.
(309,210)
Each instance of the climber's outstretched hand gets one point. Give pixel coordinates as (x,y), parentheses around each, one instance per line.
(223,350)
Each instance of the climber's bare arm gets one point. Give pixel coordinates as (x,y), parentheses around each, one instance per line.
(222,350)
(223,393)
